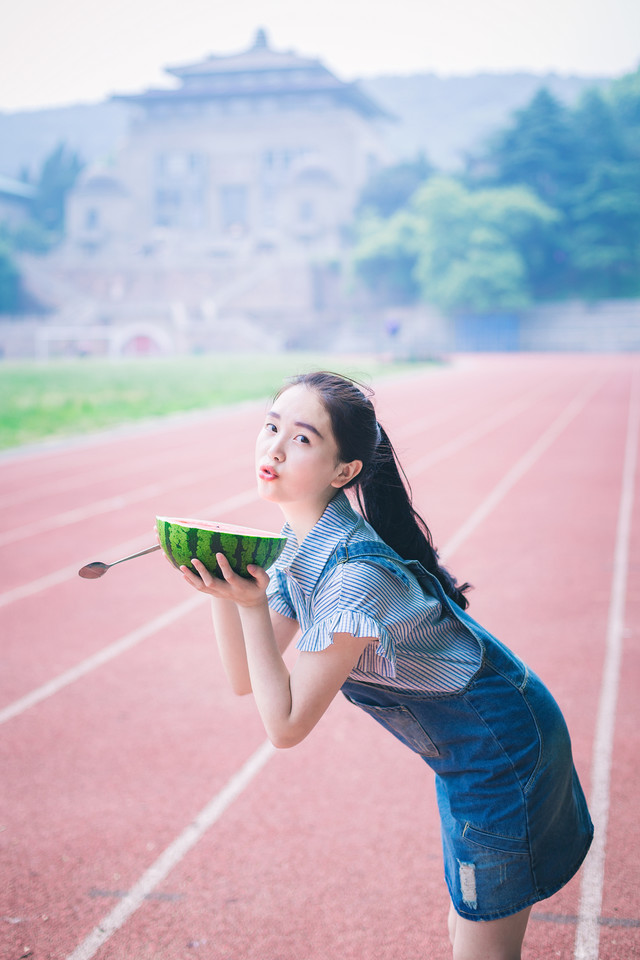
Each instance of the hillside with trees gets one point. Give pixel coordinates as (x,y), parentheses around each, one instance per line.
(443,117)
(547,209)
(447,118)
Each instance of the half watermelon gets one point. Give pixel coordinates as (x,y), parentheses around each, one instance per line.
(182,540)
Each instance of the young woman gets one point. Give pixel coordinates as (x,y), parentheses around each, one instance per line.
(381,620)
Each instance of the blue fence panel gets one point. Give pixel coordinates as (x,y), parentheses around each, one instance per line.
(487,332)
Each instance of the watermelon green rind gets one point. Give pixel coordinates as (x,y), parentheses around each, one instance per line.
(183,540)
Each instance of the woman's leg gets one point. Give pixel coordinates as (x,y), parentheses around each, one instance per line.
(451,923)
(487,940)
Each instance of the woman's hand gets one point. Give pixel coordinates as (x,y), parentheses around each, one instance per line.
(240,590)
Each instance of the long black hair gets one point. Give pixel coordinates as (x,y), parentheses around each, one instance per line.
(382,489)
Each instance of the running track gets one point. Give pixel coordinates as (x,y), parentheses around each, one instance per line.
(142,814)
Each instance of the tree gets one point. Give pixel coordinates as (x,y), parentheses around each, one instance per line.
(550,210)
(474,250)
(603,210)
(391,187)
(599,132)
(585,163)
(539,150)
(604,238)
(9,280)
(624,97)
(58,175)
(455,248)
(385,254)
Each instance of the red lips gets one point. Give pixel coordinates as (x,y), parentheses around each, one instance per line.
(267,473)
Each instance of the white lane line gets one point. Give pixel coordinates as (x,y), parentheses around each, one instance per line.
(173,854)
(520,468)
(99,659)
(474,433)
(108,505)
(124,466)
(592,881)
(50,487)
(118,646)
(70,572)
(42,583)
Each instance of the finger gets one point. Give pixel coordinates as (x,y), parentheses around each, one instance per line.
(191,577)
(259,575)
(205,575)
(225,568)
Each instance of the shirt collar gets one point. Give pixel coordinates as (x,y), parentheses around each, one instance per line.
(306,561)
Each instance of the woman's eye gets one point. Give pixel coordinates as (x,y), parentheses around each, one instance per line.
(301,437)
(270,427)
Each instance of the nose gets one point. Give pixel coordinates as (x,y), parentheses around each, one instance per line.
(276,450)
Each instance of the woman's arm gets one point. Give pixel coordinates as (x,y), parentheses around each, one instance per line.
(230,639)
(290,704)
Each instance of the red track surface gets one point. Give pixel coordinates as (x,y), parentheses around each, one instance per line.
(117,729)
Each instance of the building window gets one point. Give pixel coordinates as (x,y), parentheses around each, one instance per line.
(234,208)
(180,189)
(168,204)
(306,211)
(92,219)
(268,205)
(373,164)
(172,166)
(277,162)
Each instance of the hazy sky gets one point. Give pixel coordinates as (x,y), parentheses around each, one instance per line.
(55,52)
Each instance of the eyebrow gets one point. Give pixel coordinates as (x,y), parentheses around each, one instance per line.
(298,423)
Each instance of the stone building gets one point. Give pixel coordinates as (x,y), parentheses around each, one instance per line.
(230,196)
(261,144)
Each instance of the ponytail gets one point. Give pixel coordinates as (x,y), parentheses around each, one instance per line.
(382,489)
(385,499)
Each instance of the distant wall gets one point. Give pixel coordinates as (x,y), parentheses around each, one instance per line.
(605,327)
(609,327)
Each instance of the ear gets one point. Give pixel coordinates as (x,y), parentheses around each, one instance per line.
(347,473)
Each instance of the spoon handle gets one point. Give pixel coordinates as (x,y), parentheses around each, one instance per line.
(142,553)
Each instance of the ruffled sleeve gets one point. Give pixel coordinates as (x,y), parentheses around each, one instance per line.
(278,595)
(357,598)
(377,657)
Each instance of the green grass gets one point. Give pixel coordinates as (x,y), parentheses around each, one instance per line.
(62,398)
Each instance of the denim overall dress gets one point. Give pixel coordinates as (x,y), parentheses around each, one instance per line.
(514,820)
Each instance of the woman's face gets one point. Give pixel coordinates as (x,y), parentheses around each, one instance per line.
(297,456)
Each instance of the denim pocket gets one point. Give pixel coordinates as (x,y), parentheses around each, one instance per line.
(399,721)
(495,841)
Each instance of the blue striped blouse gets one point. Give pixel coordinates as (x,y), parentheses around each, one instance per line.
(418,646)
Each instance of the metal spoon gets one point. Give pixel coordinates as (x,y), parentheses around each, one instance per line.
(98,569)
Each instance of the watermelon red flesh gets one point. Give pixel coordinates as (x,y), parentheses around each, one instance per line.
(184,539)
(221,527)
